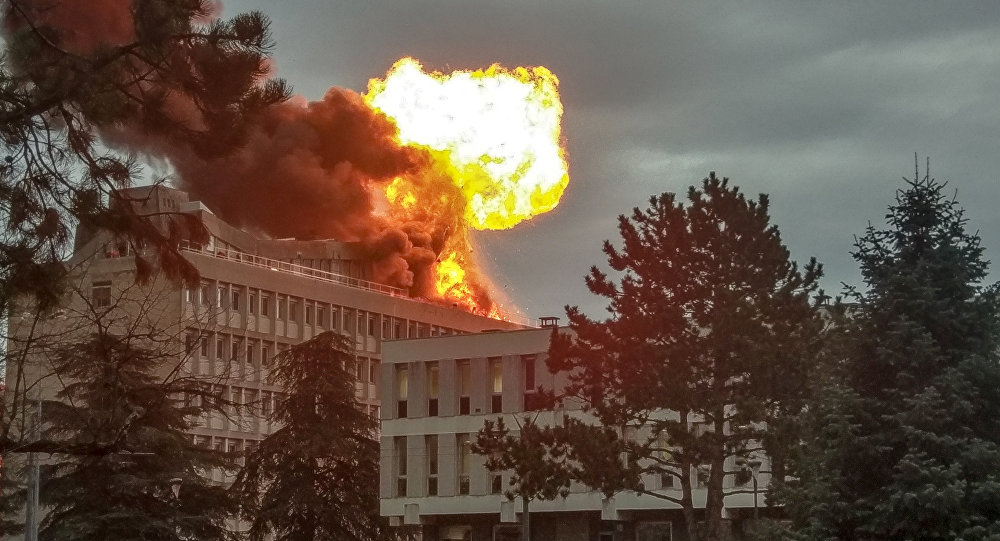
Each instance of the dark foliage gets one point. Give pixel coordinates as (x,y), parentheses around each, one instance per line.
(709,320)
(72,81)
(904,439)
(114,398)
(315,478)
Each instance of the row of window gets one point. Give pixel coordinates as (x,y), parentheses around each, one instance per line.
(253,302)
(463,464)
(463,371)
(251,350)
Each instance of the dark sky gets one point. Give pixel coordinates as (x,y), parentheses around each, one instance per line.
(822,105)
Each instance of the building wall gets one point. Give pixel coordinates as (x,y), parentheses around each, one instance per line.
(211,325)
(583,514)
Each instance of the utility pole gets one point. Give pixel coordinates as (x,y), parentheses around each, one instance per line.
(31,511)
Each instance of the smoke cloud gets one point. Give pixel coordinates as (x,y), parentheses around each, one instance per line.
(302,169)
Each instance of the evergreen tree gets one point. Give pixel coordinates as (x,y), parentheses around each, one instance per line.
(711,321)
(315,478)
(905,437)
(115,400)
(72,80)
(535,456)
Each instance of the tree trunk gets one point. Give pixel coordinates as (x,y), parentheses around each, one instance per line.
(714,502)
(687,502)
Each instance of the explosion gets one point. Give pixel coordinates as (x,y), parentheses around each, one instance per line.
(405,170)
(494,134)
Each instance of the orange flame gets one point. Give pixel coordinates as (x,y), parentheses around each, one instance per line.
(492,138)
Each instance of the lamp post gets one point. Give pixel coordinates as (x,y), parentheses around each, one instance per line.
(754,465)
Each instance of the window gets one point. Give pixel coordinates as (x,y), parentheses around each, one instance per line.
(221,297)
(293,310)
(190,342)
(402,382)
(334,318)
(496,483)
(464,445)
(251,348)
(252,303)
(265,305)
(373,371)
(359,369)
(281,308)
(496,376)
(188,295)
(265,404)
(237,347)
(100,294)
(432,389)
(464,386)
(310,307)
(431,443)
(203,346)
(531,398)
(234,303)
(400,447)
(385,327)
(205,297)
(347,320)
(220,348)
(265,354)
(528,362)
(396,329)
(321,317)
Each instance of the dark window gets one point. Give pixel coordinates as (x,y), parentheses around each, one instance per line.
(496,484)
(235,304)
(100,294)
(528,361)
(432,388)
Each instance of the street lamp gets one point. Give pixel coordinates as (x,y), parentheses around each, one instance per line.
(752,466)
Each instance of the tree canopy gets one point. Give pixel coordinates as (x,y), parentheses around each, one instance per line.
(904,437)
(75,77)
(116,397)
(316,477)
(710,331)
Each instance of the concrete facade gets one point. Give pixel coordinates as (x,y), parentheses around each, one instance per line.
(256,298)
(422,487)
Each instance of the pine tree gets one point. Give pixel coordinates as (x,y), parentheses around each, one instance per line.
(69,89)
(710,320)
(905,436)
(315,478)
(115,400)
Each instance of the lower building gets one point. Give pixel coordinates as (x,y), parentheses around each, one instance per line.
(436,395)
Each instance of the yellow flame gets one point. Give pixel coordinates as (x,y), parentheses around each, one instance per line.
(496,130)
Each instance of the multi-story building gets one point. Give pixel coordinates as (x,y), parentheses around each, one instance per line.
(437,393)
(256,297)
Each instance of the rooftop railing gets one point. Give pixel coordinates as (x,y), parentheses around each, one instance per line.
(297,270)
(325,276)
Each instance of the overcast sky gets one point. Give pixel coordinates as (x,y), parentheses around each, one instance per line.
(819,104)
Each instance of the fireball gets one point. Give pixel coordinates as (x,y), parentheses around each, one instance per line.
(494,134)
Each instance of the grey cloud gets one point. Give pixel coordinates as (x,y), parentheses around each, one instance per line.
(820,104)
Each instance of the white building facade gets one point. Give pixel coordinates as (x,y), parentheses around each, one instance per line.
(437,393)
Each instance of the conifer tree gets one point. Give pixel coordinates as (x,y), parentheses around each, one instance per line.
(147,481)
(904,439)
(711,321)
(315,478)
(73,78)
